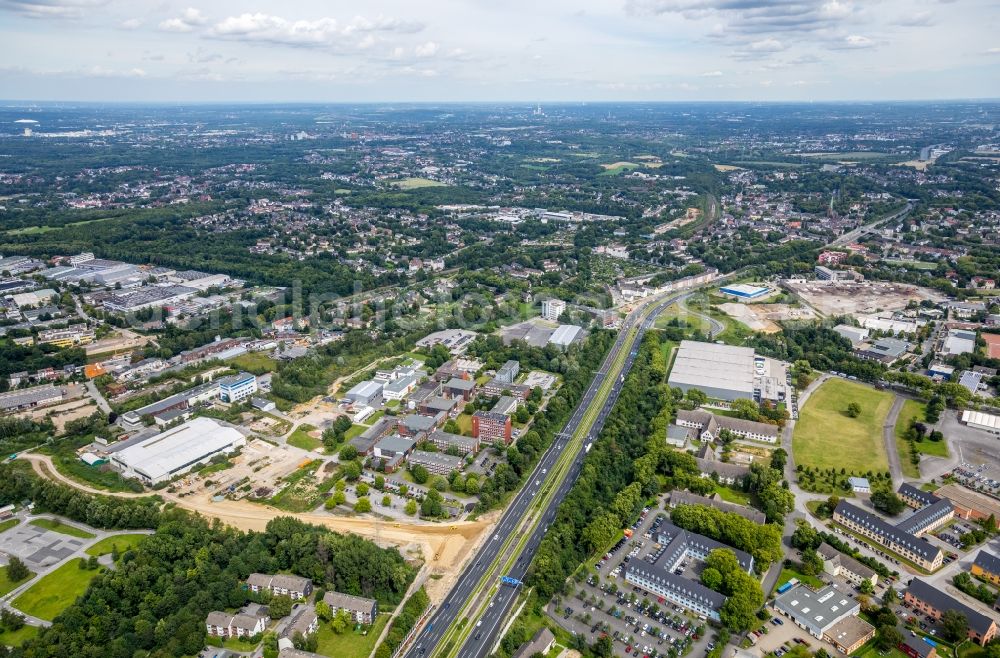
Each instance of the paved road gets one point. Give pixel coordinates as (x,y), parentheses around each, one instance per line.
(97,397)
(889,436)
(485,635)
(852,236)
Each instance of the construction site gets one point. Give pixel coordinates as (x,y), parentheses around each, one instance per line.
(765,317)
(832,298)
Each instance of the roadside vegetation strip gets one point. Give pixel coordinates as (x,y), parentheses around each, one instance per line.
(449,644)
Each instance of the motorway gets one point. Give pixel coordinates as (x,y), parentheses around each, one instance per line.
(485,634)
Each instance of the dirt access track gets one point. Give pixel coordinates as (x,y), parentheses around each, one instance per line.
(444,547)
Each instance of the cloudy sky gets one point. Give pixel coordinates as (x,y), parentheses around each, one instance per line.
(483,50)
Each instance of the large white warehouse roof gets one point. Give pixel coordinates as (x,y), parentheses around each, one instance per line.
(714,366)
(172,451)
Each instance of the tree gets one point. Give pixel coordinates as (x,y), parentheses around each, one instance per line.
(887,501)
(411,507)
(348,453)
(420,474)
(778,459)
(363,505)
(279,606)
(362,488)
(16,570)
(853,409)
(323,610)
(386,500)
(432,504)
(812,563)
(887,637)
(867,587)
(711,578)
(379,482)
(352,471)
(954,625)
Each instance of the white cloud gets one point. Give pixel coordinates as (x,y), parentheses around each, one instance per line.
(428,49)
(854,42)
(919,19)
(51,8)
(186,22)
(712,74)
(322,32)
(131,24)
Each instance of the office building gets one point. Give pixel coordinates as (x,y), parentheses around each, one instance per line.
(491,426)
(237,388)
(836,563)
(823,613)
(905,543)
(445,440)
(552,309)
(438,463)
(710,426)
(931,601)
(508,372)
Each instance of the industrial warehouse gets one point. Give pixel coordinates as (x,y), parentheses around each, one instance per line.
(726,372)
(176,451)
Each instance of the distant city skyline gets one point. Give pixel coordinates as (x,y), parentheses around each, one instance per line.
(453,50)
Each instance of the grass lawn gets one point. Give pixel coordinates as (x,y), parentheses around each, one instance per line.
(300,438)
(825,437)
(415,183)
(349,644)
(912,409)
(18,637)
(374,418)
(5,583)
(354,430)
(8,524)
(239,644)
(731,495)
(56,525)
(56,591)
(464,421)
(256,362)
(122,542)
(787,574)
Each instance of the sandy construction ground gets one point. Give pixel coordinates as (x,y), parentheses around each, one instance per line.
(850,298)
(764,317)
(121,341)
(444,547)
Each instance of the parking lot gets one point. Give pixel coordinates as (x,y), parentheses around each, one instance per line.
(639,623)
(37,547)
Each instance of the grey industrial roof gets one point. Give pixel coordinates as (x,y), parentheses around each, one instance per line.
(172,450)
(821,608)
(461,384)
(714,366)
(395,443)
(365,389)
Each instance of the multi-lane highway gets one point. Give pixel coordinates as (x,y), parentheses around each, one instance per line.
(478,575)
